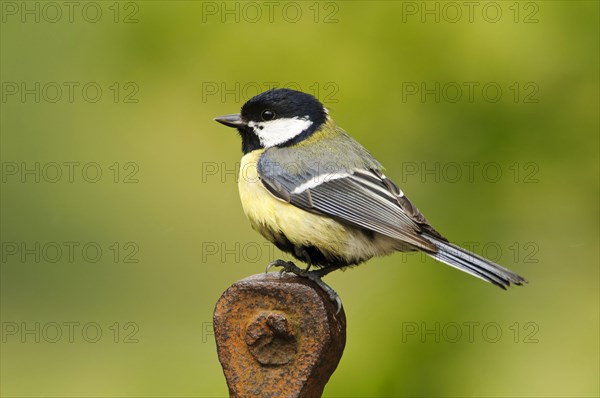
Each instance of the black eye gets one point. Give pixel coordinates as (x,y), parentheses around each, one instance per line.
(267,114)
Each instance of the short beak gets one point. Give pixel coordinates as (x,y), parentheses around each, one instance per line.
(233,120)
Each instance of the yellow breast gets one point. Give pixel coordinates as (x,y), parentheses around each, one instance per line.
(265,210)
(267,214)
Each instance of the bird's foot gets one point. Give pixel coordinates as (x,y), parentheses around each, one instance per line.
(315,276)
(286,266)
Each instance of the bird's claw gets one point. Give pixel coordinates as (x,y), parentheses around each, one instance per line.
(315,276)
(286,266)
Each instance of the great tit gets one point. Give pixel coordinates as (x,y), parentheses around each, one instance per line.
(316,193)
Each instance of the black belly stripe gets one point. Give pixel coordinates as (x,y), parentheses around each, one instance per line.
(316,256)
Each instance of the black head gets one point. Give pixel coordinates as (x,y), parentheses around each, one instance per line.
(279,117)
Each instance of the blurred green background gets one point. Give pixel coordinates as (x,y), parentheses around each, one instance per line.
(129,90)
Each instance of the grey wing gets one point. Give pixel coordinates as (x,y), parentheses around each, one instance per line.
(365,198)
(362,198)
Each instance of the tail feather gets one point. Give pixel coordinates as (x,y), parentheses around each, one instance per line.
(473,264)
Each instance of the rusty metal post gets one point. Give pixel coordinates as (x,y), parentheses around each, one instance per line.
(278,336)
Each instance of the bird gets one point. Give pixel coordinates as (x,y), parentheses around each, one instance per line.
(317,194)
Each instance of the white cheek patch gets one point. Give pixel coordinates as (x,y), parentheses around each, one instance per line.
(278,131)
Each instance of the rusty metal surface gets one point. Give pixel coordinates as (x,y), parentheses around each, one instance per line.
(278,336)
